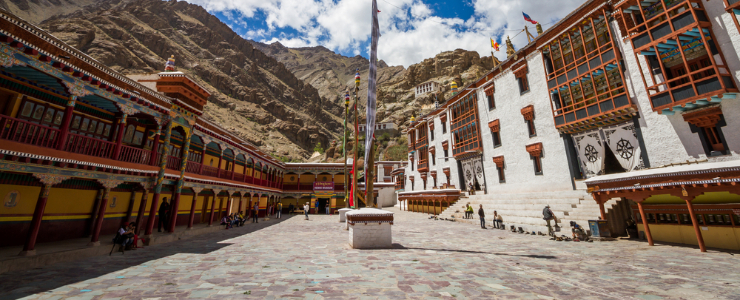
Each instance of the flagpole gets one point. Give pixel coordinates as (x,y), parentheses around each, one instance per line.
(355,189)
(344,148)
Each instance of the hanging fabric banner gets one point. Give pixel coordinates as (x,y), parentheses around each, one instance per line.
(371,95)
(590,153)
(468,167)
(622,141)
(478,167)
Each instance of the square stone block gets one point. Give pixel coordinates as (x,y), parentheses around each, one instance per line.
(370,228)
(342,212)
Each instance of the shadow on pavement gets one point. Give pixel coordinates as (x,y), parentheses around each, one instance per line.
(15,285)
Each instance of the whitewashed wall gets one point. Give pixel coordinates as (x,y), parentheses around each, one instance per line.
(519,168)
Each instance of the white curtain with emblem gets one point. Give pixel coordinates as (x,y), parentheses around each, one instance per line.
(468,172)
(622,141)
(590,152)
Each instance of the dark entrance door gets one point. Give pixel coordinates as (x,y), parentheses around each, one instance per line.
(323,202)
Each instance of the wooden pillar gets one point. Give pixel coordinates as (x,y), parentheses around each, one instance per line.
(152,214)
(174,207)
(119,137)
(699,237)
(142,209)
(196,191)
(47,181)
(95,241)
(130,210)
(220,156)
(155,146)
(602,210)
(645,224)
(213,207)
(66,120)
(228,204)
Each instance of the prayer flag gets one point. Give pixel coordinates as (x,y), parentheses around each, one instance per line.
(528,19)
(494,44)
(371,93)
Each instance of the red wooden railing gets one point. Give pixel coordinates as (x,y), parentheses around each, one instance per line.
(239,177)
(89,146)
(192,167)
(339,186)
(134,155)
(290,187)
(225,174)
(28,133)
(173,162)
(210,171)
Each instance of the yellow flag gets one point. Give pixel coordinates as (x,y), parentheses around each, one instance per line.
(494,45)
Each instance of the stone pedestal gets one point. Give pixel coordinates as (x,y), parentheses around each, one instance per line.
(342,217)
(370,228)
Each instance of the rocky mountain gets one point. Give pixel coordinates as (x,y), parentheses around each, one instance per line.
(36,11)
(253,95)
(286,100)
(331,73)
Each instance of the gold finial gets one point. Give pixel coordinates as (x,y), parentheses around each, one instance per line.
(509,47)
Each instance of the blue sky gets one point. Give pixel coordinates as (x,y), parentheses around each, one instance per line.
(412,30)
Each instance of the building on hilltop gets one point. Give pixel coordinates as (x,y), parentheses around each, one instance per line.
(600,106)
(426,88)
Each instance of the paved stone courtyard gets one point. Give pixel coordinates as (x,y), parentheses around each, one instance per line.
(298,259)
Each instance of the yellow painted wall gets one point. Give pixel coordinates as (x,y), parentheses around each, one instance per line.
(26,203)
(70,201)
(239,169)
(714,236)
(339,178)
(307,178)
(257,174)
(263,202)
(250,171)
(207,160)
(286,179)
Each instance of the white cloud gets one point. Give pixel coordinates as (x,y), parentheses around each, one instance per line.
(410,29)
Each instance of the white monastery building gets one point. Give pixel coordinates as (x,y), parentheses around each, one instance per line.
(600,103)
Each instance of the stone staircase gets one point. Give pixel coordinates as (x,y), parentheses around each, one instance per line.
(525,210)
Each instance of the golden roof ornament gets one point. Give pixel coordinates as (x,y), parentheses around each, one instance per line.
(509,48)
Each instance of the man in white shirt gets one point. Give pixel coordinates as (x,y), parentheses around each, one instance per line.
(306,207)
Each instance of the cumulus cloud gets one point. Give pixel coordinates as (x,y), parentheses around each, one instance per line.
(411,29)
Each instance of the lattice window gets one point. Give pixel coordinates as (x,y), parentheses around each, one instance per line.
(466,135)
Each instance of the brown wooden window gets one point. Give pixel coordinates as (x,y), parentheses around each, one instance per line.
(535,152)
(528,113)
(495,127)
(465,129)
(499,161)
(489,97)
(708,123)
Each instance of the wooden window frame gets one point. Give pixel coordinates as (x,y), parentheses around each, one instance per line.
(535,153)
(465,129)
(499,161)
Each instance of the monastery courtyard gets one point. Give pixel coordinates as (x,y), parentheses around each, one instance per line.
(293,258)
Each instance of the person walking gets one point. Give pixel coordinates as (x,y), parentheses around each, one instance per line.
(328,209)
(305,210)
(279,210)
(547,215)
(164,213)
(482,216)
(316,211)
(256,209)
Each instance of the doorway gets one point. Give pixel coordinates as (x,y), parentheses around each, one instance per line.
(323,202)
